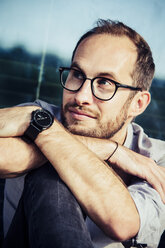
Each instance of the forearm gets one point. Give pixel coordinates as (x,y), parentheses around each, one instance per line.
(104,148)
(14,121)
(101,147)
(95,185)
(18,157)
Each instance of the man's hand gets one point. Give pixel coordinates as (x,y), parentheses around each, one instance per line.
(18,157)
(140,166)
(14,121)
(127,162)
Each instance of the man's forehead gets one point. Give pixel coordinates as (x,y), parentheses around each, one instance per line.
(103,41)
(106,53)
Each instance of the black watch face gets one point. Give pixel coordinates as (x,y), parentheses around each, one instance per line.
(43,118)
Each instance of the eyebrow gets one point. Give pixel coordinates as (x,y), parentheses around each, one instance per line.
(75,64)
(110,75)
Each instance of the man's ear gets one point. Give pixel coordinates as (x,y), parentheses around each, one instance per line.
(139,103)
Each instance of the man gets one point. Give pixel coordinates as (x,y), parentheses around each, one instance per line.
(101,159)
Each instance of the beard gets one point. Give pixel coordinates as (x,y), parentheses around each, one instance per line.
(103,130)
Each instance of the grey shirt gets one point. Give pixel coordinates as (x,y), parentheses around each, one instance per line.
(149,205)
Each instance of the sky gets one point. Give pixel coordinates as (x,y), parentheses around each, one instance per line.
(56,25)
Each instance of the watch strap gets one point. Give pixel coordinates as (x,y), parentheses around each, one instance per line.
(31,132)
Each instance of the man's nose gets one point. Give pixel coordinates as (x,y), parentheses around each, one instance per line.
(84,95)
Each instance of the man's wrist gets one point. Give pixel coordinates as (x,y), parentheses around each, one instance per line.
(110,156)
(41,120)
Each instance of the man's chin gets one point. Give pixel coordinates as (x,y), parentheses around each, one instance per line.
(89,132)
(80,130)
(95,130)
(84,128)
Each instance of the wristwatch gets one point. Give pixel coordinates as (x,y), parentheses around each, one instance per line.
(41,120)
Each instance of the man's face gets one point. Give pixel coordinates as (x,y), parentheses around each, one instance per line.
(106,56)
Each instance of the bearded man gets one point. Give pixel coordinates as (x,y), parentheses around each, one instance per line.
(98,183)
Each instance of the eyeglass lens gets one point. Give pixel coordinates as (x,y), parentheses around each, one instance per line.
(102,88)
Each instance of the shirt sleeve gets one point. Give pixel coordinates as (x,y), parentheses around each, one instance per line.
(53,109)
(151,211)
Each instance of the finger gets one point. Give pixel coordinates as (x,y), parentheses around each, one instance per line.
(162,178)
(158,187)
(157,181)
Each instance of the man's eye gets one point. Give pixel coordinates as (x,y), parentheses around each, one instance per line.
(104,82)
(78,75)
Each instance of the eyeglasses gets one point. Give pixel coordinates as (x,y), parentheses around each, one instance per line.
(102,88)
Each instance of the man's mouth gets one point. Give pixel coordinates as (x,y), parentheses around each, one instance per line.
(80,114)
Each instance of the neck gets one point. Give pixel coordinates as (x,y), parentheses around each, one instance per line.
(121,135)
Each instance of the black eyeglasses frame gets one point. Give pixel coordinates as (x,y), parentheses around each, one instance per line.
(117,85)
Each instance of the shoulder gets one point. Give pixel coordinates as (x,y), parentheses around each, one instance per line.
(150,147)
(53,109)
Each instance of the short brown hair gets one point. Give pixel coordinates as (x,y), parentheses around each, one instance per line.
(144,69)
